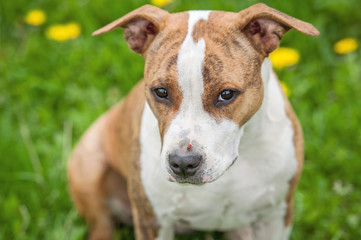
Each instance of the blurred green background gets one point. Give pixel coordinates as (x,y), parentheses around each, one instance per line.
(51,91)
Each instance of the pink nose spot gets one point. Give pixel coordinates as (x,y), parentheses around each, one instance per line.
(189,146)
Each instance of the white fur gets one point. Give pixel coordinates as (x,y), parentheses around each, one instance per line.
(217,141)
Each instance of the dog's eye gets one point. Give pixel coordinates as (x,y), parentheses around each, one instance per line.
(226,95)
(161,92)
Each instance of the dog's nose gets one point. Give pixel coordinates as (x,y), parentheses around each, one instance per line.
(184,165)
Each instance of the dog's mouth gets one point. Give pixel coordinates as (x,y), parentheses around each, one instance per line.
(188,180)
(200,178)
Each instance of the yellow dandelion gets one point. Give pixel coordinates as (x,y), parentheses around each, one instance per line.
(63,32)
(286,89)
(57,32)
(345,45)
(284,57)
(73,30)
(160,3)
(35,17)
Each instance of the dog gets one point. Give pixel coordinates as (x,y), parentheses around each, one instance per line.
(206,141)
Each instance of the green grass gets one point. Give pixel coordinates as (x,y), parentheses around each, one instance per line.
(50,92)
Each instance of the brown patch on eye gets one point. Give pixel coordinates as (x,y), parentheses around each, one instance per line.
(230,63)
(161,69)
(199,30)
(240,75)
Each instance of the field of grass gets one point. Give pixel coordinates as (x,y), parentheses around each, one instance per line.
(51,91)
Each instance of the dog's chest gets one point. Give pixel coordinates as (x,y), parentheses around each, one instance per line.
(227,203)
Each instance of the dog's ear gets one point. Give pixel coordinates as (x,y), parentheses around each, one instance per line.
(265,26)
(140,26)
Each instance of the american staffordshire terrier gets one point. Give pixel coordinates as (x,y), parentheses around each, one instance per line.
(206,141)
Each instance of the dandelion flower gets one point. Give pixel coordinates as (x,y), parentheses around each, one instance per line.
(57,32)
(345,46)
(284,57)
(35,17)
(286,89)
(73,30)
(160,3)
(63,32)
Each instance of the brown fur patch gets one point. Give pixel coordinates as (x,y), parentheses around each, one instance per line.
(199,30)
(172,62)
(230,63)
(161,69)
(211,66)
(226,46)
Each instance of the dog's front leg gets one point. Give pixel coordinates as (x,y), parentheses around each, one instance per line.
(145,226)
(145,222)
(272,229)
(272,226)
(166,232)
(244,233)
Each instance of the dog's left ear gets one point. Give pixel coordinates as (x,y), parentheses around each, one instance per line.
(140,26)
(265,26)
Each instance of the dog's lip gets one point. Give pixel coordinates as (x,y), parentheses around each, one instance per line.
(171,178)
(234,160)
(190,183)
(187,182)
(183,181)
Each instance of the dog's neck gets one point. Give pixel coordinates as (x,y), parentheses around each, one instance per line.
(271,112)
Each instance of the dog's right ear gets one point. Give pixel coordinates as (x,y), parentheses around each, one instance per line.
(140,26)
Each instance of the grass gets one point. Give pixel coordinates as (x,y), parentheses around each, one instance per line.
(50,92)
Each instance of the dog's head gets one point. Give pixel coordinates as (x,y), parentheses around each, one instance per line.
(203,79)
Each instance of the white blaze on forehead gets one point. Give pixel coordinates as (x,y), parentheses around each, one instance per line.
(189,64)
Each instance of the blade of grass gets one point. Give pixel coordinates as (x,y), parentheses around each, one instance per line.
(67,141)
(30,147)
